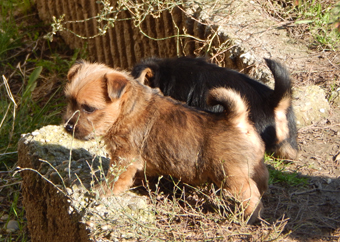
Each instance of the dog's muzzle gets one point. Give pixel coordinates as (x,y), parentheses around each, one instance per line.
(69,127)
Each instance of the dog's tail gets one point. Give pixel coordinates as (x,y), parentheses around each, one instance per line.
(283,85)
(280,99)
(234,105)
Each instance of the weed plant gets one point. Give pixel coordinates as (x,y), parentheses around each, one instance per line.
(32,72)
(31,87)
(319,21)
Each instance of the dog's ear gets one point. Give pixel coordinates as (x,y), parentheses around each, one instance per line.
(116,84)
(145,76)
(74,69)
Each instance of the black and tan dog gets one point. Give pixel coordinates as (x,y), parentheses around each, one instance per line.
(189,79)
(145,131)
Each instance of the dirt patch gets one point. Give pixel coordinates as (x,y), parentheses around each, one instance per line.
(313,210)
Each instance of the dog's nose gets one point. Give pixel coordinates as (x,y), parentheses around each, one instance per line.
(69,127)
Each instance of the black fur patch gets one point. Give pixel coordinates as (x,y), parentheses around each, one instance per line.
(189,80)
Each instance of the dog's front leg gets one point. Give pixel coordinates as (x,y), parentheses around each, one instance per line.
(122,173)
(125,180)
(120,177)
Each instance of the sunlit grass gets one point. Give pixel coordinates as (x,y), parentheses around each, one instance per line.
(31,96)
(279,173)
(321,19)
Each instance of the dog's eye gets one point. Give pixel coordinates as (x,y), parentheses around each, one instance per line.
(88,109)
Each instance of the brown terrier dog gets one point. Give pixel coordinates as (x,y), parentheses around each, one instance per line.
(147,132)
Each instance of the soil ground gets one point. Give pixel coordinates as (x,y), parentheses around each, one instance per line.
(313,210)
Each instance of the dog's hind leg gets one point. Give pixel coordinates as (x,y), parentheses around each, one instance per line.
(245,190)
(236,182)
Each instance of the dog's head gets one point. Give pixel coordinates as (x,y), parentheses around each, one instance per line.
(94,94)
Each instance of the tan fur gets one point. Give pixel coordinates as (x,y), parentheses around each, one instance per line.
(282,131)
(239,111)
(144,77)
(286,150)
(145,131)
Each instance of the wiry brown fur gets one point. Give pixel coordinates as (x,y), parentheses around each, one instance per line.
(190,79)
(145,131)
